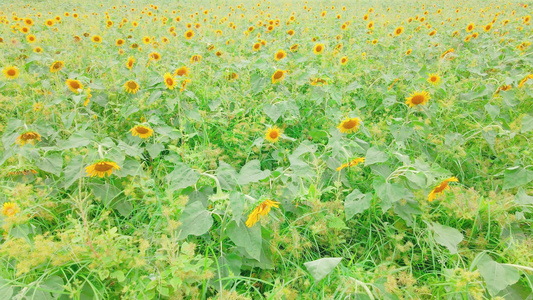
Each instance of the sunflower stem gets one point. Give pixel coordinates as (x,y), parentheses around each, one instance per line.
(219,188)
(100,152)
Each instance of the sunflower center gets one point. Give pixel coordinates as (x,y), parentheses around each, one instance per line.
(57,65)
(141,130)
(398,31)
(29,136)
(102,167)
(441,187)
(132,85)
(75,85)
(278,75)
(170,81)
(349,124)
(280,55)
(318,48)
(417,99)
(273,134)
(11,72)
(433,78)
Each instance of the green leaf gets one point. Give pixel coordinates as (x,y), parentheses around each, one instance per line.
(52,163)
(6,291)
(356,203)
(446,236)
(182,177)
(336,223)
(258,83)
(390,193)
(320,268)
(248,238)
(527,124)
(73,171)
(155,149)
(497,276)
(406,210)
(106,192)
(195,220)
(251,172)
(516,176)
(374,156)
(272,111)
(236,203)
(118,275)
(522,198)
(227,176)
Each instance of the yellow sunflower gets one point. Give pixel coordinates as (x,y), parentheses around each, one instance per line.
(260,210)
(31,38)
(349,125)
(120,42)
(257,46)
(318,49)
(57,66)
(294,47)
(182,71)
(38,50)
(189,34)
(280,55)
(273,134)
(439,189)
(433,78)
(409,51)
(142,131)
(352,163)
(278,76)
(96,39)
(344,60)
(398,30)
(101,168)
(470,27)
(131,86)
(28,137)
(417,98)
(154,56)
(10,209)
(74,85)
(130,62)
(170,82)
(487,27)
(196,58)
(11,72)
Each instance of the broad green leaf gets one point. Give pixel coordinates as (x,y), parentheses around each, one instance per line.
(320,268)
(54,285)
(182,177)
(236,203)
(390,193)
(497,276)
(258,83)
(516,176)
(52,163)
(374,156)
(155,149)
(227,176)
(272,111)
(522,198)
(336,223)
(105,192)
(248,238)
(73,171)
(251,172)
(6,291)
(195,220)
(118,275)
(407,210)
(356,203)
(527,124)
(446,236)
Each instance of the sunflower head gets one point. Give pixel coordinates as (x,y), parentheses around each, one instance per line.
(96,39)
(318,49)
(196,58)
(278,76)
(398,31)
(170,82)
(142,131)
(344,60)
(28,137)
(257,46)
(273,134)
(349,125)
(74,85)
(294,47)
(280,55)
(433,78)
(189,34)
(130,62)
(11,72)
(417,98)
(57,66)
(10,209)
(182,71)
(131,86)
(101,168)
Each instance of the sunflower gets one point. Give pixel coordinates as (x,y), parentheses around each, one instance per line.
(417,98)
(318,82)
(147,40)
(487,27)
(89,96)
(445,53)
(370,25)
(349,125)
(10,209)
(468,38)
(182,71)
(130,62)
(196,58)
(260,210)
(273,134)
(439,189)
(318,49)
(352,163)
(96,39)
(523,81)
(120,42)
(278,76)
(170,82)
(57,66)
(189,34)
(475,35)
(154,56)
(28,21)
(74,85)
(290,32)
(257,46)
(232,76)
(101,168)
(142,131)
(28,137)
(344,60)
(31,38)
(184,84)
(38,50)
(280,55)
(470,27)
(11,72)
(131,87)
(374,42)
(434,78)
(49,22)
(398,30)
(409,51)
(432,33)
(294,47)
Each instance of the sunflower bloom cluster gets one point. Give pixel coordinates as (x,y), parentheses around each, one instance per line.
(439,189)
(260,210)
(101,168)
(352,163)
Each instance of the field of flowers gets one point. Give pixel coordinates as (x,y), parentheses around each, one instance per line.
(266,150)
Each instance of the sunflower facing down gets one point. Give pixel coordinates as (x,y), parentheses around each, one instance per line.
(349,125)
(57,66)
(273,134)
(11,72)
(318,49)
(417,98)
(260,210)
(433,78)
(10,209)
(142,131)
(170,82)
(74,85)
(352,163)
(101,168)
(28,137)
(196,58)
(439,189)
(278,76)
(131,87)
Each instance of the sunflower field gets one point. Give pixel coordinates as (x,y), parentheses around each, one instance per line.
(266,149)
